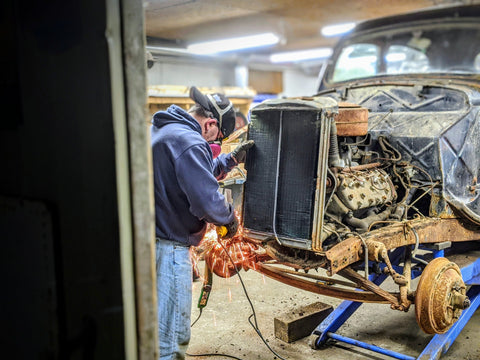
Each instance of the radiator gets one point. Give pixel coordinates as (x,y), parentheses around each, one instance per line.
(285,190)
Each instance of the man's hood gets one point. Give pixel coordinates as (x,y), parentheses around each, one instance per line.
(175,114)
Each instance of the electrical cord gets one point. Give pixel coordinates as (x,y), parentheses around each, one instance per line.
(255,326)
(212,354)
(198,317)
(253,315)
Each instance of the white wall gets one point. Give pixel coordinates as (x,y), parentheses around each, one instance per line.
(185,72)
(297,83)
(181,72)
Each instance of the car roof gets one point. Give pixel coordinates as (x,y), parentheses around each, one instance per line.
(453,12)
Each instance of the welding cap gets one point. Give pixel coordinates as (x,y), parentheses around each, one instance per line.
(219,105)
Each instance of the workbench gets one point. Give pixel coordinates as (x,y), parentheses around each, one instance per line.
(160,97)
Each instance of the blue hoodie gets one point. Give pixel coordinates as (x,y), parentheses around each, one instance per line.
(186,191)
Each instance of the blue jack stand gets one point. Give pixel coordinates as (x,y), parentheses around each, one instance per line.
(437,346)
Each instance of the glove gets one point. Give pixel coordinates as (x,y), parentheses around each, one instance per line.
(240,152)
(231,228)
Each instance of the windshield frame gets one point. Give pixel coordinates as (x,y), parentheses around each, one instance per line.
(381,33)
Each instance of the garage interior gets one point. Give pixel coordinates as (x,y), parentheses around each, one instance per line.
(80,83)
(173,25)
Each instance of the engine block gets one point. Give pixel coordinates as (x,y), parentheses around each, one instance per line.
(364,189)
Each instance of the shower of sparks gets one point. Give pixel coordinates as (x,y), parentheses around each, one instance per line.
(226,256)
(238,249)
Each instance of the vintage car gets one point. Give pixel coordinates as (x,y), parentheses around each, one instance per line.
(378,173)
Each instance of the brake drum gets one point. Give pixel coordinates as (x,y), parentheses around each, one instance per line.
(440,296)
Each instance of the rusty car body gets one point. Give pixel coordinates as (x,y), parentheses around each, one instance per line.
(385,157)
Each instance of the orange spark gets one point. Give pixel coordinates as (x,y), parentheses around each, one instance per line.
(225,257)
(227,260)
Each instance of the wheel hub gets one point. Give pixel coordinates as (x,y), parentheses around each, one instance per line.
(440,296)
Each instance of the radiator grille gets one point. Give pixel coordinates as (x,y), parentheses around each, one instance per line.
(282,169)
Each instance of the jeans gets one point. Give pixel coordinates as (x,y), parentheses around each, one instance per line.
(174,292)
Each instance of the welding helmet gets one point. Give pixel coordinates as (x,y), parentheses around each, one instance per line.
(220,106)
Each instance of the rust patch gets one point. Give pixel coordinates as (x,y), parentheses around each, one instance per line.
(429,230)
(352,120)
(440,208)
(440,296)
(322,289)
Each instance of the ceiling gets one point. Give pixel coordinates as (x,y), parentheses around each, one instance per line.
(177,23)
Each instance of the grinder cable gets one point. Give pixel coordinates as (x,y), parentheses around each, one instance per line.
(254,324)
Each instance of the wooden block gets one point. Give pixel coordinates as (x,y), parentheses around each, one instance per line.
(298,323)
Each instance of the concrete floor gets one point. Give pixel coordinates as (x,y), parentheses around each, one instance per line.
(224,328)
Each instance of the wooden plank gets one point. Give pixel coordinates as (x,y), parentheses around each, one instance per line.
(157,103)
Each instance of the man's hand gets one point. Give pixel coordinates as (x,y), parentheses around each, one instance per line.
(240,152)
(231,228)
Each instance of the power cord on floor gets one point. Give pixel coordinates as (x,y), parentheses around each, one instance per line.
(198,318)
(253,315)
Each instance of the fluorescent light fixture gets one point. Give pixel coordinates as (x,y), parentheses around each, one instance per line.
(293,56)
(333,30)
(164,49)
(243,42)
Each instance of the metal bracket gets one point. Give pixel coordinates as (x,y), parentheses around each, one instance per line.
(439,246)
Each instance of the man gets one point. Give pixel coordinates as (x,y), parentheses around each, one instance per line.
(186,199)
